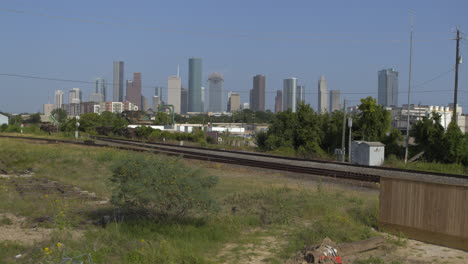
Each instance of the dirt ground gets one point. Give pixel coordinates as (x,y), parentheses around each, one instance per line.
(262,251)
(16,230)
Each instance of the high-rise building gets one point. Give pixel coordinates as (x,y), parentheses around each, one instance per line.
(300,94)
(58,99)
(195,85)
(48,109)
(203,99)
(118,81)
(388,88)
(134,90)
(158,91)
(74,96)
(279,101)
(322,95)
(100,87)
(257,94)
(335,100)
(215,93)
(156,103)
(245,106)
(183,101)
(144,103)
(174,90)
(289,94)
(128,87)
(233,102)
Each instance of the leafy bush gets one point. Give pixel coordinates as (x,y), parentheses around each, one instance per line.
(160,187)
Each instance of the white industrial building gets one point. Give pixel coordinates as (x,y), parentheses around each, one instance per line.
(367,153)
(3,119)
(418,112)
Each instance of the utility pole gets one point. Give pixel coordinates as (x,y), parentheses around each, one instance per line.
(343,150)
(409,90)
(457,61)
(350,125)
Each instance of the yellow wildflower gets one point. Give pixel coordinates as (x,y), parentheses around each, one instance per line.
(59,245)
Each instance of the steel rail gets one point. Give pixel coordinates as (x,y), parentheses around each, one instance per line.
(450,175)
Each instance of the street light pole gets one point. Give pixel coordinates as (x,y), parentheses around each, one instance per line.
(77,126)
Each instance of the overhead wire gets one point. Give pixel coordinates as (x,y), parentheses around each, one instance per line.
(210,34)
(272,92)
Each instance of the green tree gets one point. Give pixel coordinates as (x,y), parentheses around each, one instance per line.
(16,120)
(59,114)
(332,125)
(455,145)
(429,137)
(89,122)
(393,144)
(161,118)
(35,118)
(373,121)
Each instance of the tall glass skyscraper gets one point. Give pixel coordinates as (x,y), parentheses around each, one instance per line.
(289,94)
(388,88)
(322,95)
(215,93)
(118,81)
(195,84)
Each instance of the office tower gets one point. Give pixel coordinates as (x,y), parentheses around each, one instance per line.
(203,99)
(289,94)
(183,101)
(335,100)
(174,90)
(96,97)
(195,85)
(128,87)
(58,99)
(144,103)
(257,93)
(48,109)
(233,102)
(134,90)
(158,91)
(74,96)
(215,93)
(388,88)
(300,94)
(156,103)
(279,101)
(322,95)
(100,87)
(118,81)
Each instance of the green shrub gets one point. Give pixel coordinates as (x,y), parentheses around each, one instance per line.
(160,187)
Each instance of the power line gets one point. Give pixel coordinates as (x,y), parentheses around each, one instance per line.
(268,92)
(209,34)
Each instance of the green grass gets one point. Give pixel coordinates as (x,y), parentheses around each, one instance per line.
(428,166)
(292,215)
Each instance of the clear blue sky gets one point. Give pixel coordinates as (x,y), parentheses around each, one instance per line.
(347,41)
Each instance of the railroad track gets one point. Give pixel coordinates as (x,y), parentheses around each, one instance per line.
(259,160)
(246,153)
(190,154)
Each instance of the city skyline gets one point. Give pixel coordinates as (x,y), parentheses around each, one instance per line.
(275,49)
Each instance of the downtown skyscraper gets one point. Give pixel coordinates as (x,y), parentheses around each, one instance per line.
(215,93)
(257,94)
(58,102)
(134,90)
(174,93)
(289,94)
(100,91)
(322,95)
(300,95)
(279,101)
(118,82)
(195,85)
(388,88)
(335,100)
